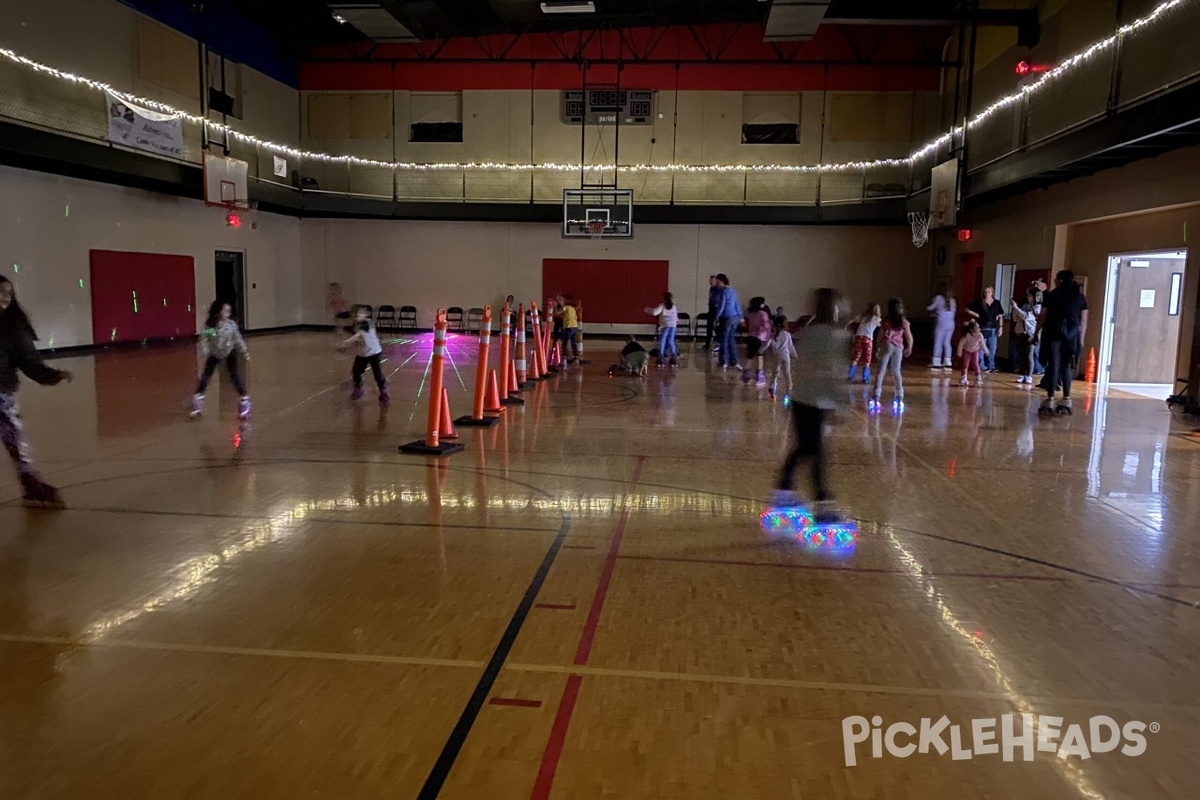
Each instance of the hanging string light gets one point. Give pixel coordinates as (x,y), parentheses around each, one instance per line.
(941,142)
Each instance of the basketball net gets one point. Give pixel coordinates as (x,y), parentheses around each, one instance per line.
(596,228)
(920,227)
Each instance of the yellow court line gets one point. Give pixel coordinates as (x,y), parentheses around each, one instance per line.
(261,652)
(862,688)
(567,669)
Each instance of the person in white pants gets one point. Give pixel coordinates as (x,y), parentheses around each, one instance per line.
(944,309)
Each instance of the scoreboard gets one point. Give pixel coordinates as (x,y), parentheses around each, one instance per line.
(608,106)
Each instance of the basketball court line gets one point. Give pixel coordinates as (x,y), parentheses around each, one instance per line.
(566,669)
(846,570)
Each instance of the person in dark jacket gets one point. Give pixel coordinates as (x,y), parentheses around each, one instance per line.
(714,304)
(19,354)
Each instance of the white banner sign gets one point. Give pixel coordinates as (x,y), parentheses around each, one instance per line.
(144,129)
(280,167)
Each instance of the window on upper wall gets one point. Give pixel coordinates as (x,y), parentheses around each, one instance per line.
(435,117)
(871,117)
(224,86)
(350,116)
(771,118)
(167,59)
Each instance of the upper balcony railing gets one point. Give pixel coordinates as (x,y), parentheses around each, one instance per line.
(1149,56)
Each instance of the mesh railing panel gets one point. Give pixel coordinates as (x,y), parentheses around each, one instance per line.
(1163,54)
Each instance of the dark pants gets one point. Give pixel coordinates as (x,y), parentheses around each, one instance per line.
(210,366)
(1024,352)
(729,341)
(809,423)
(710,327)
(1060,365)
(570,338)
(360,366)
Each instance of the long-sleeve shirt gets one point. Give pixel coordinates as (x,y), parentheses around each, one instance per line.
(219,342)
(18,353)
(782,346)
(729,306)
(714,298)
(943,311)
(365,341)
(821,357)
(758,325)
(972,343)
(667,317)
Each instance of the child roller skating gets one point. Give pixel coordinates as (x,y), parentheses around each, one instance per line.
(19,354)
(896,343)
(780,351)
(668,321)
(221,341)
(863,343)
(821,353)
(367,352)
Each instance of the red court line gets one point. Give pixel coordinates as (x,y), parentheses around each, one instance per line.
(610,563)
(860,570)
(566,707)
(515,701)
(558,736)
(558,606)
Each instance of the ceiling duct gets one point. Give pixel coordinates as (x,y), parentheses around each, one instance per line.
(794,20)
(375,22)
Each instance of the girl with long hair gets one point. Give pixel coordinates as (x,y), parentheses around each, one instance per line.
(668,320)
(944,309)
(218,342)
(896,343)
(19,354)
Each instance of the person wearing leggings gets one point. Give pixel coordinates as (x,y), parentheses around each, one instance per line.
(897,343)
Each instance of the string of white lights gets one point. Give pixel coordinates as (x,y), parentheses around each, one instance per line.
(219,129)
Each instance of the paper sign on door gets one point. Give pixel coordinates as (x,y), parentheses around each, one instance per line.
(1147,300)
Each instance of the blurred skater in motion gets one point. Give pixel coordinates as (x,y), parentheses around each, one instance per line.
(1061,328)
(729,314)
(339,307)
(219,341)
(19,354)
(634,359)
(821,353)
(1024,317)
(367,353)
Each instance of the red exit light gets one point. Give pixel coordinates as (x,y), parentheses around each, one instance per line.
(1024,68)
(965,234)
(233,221)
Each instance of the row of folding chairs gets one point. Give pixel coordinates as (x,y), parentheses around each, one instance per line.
(470,321)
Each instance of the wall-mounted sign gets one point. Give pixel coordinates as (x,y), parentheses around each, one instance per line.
(1147,299)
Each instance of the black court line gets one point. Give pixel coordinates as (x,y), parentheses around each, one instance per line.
(309,518)
(466,720)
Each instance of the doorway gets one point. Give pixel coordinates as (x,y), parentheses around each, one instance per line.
(231,282)
(1142,312)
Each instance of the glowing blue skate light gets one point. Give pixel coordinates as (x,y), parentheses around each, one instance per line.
(786,519)
(787,401)
(837,536)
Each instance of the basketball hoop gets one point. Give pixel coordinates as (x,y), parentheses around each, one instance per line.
(596,228)
(920,227)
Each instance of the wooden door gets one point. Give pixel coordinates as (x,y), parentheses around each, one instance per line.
(1145,333)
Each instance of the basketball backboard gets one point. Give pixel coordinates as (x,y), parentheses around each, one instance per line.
(943,195)
(597,213)
(225,182)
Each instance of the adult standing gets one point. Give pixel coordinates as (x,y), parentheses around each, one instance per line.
(728,314)
(1039,286)
(989,313)
(1061,328)
(714,302)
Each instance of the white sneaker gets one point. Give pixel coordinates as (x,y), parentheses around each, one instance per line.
(197,405)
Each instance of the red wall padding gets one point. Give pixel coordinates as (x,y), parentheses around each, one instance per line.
(611,290)
(165,290)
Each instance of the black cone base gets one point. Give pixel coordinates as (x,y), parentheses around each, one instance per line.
(419,448)
(471,422)
(512,401)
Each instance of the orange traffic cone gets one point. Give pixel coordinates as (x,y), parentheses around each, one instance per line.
(446,428)
(491,403)
(514,387)
(1089,372)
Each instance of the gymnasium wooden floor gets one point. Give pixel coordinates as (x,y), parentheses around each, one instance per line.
(582,604)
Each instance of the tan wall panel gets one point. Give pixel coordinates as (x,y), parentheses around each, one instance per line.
(167,59)
(329,116)
(870,117)
(370,116)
